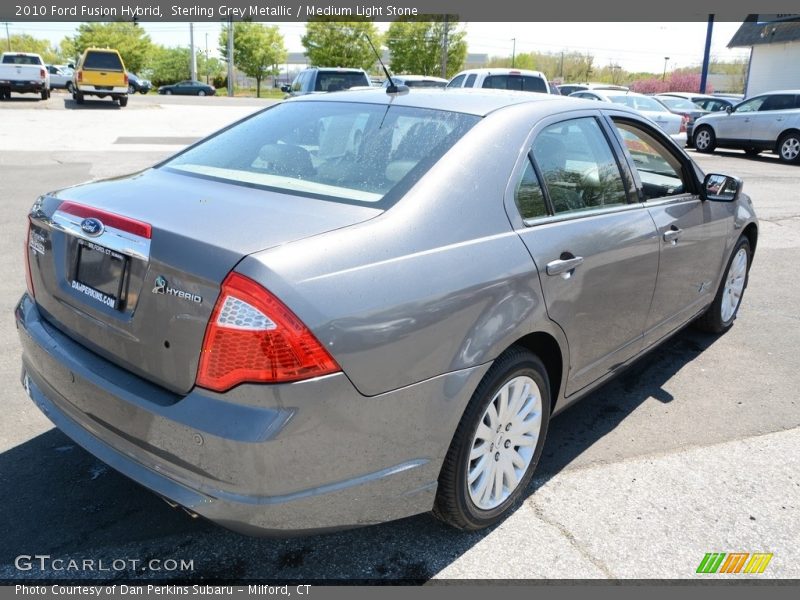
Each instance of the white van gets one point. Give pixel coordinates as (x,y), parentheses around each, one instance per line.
(502,79)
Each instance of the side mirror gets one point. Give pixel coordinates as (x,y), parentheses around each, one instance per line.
(286,89)
(729,109)
(721,188)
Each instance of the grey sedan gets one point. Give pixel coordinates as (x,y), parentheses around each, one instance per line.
(351,308)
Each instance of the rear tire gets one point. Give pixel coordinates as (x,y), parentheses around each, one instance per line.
(45,95)
(78,97)
(70,87)
(789,148)
(168,92)
(704,140)
(497,444)
(723,310)
(201,93)
(123,101)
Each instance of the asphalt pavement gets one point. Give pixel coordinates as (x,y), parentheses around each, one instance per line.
(692,450)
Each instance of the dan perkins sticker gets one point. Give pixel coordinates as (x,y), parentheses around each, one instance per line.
(94,294)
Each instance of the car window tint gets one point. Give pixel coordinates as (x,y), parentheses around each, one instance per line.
(20,60)
(578,166)
(102,61)
(456,82)
(529,195)
(778,102)
(334,81)
(659,170)
(751,105)
(523,83)
(470,80)
(333,150)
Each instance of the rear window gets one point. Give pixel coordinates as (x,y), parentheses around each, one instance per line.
(639,103)
(425,83)
(524,83)
(678,103)
(341,151)
(13,59)
(103,61)
(336,81)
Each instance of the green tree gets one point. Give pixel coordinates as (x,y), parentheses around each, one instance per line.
(131,41)
(415,45)
(330,43)
(168,65)
(22,42)
(257,49)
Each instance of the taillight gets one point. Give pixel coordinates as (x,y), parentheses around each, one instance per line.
(27,257)
(42,73)
(80,76)
(684,123)
(126,79)
(252,336)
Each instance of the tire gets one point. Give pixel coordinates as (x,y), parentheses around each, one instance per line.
(476,504)
(201,93)
(123,101)
(78,97)
(143,92)
(168,92)
(705,140)
(45,95)
(752,151)
(722,313)
(70,87)
(131,89)
(788,149)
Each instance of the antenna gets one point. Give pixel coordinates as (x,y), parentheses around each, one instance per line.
(392,89)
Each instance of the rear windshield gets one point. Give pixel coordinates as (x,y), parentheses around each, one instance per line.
(328,81)
(103,61)
(342,151)
(425,83)
(525,83)
(639,103)
(678,103)
(14,59)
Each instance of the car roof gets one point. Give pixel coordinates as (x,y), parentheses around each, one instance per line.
(475,101)
(419,78)
(501,71)
(770,93)
(336,69)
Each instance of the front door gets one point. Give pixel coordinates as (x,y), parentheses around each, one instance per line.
(737,125)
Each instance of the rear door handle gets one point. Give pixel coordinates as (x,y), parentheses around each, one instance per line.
(557,267)
(672,234)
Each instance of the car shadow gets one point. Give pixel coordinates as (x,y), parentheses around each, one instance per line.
(103,103)
(61,501)
(765,156)
(22,99)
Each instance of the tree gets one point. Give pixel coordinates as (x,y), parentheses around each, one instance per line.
(415,45)
(22,42)
(132,42)
(168,65)
(257,49)
(331,43)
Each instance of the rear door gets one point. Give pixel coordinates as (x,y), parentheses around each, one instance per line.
(594,245)
(691,232)
(772,118)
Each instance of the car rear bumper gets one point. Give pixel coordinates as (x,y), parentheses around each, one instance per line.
(260,459)
(23,87)
(92,89)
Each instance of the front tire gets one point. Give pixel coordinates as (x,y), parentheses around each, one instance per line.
(168,92)
(704,140)
(497,444)
(722,313)
(789,148)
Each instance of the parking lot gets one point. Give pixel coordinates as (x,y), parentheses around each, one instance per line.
(692,450)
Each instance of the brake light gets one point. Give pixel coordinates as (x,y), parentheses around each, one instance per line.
(28,276)
(253,337)
(126,79)
(684,123)
(42,73)
(109,219)
(80,76)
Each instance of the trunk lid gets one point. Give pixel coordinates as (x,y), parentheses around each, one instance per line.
(144,303)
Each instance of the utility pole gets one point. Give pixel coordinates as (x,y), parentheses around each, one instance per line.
(513,51)
(561,68)
(444,46)
(706,55)
(8,36)
(230,55)
(664,76)
(193,59)
(207,68)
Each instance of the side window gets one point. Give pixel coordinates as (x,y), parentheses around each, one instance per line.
(751,105)
(578,166)
(456,83)
(470,80)
(778,102)
(660,172)
(297,82)
(529,196)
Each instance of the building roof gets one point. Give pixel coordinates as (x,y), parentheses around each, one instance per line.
(754,32)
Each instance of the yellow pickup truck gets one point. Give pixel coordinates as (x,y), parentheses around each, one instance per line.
(100,72)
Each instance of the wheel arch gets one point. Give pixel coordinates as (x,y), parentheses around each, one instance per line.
(550,352)
(751,232)
(787,131)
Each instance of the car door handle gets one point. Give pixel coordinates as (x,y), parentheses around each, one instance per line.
(672,234)
(557,267)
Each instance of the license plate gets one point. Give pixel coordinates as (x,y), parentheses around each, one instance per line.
(100,273)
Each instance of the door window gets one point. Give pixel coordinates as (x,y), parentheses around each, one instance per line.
(456,82)
(529,196)
(660,171)
(751,105)
(470,80)
(578,166)
(778,102)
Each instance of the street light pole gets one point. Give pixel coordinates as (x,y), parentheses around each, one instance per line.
(207,58)
(664,76)
(513,51)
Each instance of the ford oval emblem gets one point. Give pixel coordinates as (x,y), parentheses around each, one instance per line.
(92,226)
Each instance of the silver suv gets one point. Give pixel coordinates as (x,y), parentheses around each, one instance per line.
(770,121)
(320,80)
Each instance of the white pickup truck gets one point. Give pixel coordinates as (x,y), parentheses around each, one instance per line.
(23,73)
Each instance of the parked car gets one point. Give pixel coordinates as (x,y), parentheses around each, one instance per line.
(501,79)
(417,81)
(570,88)
(137,84)
(100,72)
(60,78)
(704,101)
(318,80)
(671,123)
(687,109)
(23,73)
(350,308)
(188,88)
(769,121)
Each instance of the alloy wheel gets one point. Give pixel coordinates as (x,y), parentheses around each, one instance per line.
(790,149)
(734,285)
